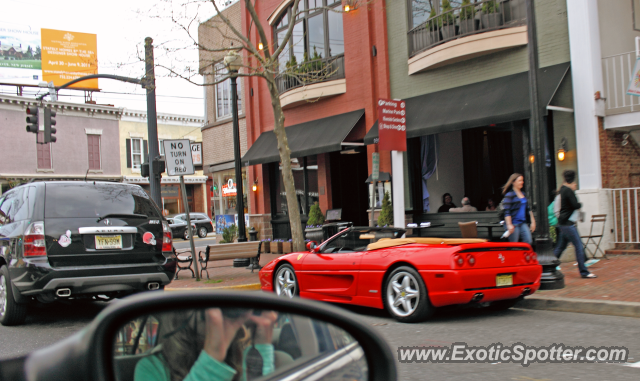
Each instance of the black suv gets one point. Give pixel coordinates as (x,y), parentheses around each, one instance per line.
(79,239)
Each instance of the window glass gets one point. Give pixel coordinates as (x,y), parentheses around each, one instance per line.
(136,153)
(93,146)
(223,93)
(161,147)
(354,240)
(420,10)
(336,34)
(96,200)
(297,167)
(314,4)
(15,206)
(316,36)
(284,21)
(297,40)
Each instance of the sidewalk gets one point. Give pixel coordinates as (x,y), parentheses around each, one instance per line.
(616,291)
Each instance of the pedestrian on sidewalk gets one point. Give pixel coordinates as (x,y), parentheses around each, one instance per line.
(567,225)
(518,218)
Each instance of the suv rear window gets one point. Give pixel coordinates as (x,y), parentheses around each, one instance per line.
(96,200)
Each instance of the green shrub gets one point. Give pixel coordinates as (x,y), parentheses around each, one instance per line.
(446,18)
(431,21)
(315,215)
(229,234)
(491,7)
(386,214)
(468,11)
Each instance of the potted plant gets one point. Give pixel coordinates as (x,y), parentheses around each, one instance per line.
(279,246)
(491,14)
(432,32)
(467,17)
(313,231)
(447,21)
(287,246)
(266,245)
(386,214)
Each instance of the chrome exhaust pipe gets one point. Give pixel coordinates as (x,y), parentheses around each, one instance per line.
(63,292)
(153,286)
(477,297)
(526,291)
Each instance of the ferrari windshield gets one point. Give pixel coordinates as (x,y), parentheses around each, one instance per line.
(357,238)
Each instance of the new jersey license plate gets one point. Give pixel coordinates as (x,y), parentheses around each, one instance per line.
(504,280)
(108,242)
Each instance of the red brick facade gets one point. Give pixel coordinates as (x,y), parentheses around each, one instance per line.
(367,80)
(620,164)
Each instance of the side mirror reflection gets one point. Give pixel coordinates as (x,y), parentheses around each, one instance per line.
(312,246)
(226,343)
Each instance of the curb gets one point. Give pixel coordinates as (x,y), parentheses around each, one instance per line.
(245,287)
(585,306)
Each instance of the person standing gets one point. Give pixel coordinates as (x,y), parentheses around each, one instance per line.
(566,225)
(518,218)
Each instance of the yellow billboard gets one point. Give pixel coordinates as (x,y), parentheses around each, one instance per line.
(69,55)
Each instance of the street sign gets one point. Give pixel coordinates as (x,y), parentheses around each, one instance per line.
(392,125)
(375,173)
(179,160)
(634,83)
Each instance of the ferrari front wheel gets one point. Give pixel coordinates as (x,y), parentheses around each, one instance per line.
(405,296)
(286,282)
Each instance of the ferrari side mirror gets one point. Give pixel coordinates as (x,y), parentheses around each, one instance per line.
(312,246)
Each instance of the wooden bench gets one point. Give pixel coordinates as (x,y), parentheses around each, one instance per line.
(236,250)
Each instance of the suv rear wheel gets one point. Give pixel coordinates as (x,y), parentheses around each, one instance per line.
(11,313)
(202,232)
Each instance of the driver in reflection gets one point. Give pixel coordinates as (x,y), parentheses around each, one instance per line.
(213,345)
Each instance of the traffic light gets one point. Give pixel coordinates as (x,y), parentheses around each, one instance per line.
(49,122)
(32,119)
(144,170)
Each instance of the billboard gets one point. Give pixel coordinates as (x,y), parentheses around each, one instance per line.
(31,55)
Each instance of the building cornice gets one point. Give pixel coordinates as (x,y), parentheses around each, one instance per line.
(79,109)
(141,116)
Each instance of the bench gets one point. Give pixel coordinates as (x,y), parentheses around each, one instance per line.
(236,250)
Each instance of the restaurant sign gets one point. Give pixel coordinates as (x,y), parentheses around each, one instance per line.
(392,126)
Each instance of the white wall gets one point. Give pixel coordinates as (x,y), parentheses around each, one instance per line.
(449,177)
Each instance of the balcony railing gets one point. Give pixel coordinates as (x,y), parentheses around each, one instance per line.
(479,17)
(310,72)
(616,73)
(626,215)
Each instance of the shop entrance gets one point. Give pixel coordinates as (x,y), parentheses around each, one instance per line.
(349,191)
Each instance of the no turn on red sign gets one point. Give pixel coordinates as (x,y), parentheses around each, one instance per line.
(392,125)
(178,158)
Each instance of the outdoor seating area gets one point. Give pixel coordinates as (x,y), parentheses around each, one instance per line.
(238,251)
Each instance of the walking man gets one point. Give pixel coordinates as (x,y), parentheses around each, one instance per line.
(567,222)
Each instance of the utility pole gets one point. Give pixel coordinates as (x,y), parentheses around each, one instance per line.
(149,84)
(551,278)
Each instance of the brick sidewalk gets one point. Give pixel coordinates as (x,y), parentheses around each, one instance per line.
(222,274)
(618,280)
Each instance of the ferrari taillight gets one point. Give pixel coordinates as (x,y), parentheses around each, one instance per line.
(471,260)
(167,238)
(458,260)
(534,257)
(34,245)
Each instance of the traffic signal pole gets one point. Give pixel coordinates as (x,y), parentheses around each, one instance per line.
(148,82)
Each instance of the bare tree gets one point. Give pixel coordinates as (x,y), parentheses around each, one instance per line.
(258,61)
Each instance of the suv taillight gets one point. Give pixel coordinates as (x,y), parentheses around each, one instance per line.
(167,237)
(34,245)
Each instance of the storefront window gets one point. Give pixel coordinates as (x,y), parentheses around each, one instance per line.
(226,185)
(297,167)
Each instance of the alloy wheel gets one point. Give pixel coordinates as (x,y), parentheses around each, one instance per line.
(202,232)
(3,295)
(403,294)
(286,283)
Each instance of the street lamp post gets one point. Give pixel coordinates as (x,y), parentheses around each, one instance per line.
(551,278)
(233,62)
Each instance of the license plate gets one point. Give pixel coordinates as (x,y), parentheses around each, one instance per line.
(504,280)
(108,242)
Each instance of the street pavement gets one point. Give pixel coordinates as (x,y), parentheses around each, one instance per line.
(180,243)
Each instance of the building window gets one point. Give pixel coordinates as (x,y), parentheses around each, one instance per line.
(223,93)
(44,154)
(317,34)
(94,151)
(136,153)
(161,147)
(420,10)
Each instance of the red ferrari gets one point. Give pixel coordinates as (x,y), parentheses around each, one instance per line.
(408,277)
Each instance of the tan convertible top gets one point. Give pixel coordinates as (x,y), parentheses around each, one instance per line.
(383,243)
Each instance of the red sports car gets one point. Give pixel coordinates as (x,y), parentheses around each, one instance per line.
(408,277)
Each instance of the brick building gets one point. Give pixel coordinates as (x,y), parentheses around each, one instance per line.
(217,133)
(325,119)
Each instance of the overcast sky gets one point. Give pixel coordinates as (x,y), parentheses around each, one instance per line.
(120,26)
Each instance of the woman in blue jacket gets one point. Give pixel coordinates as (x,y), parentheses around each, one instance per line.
(518,218)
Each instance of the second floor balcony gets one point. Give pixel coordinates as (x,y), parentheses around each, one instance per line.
(311,80)
(467,31)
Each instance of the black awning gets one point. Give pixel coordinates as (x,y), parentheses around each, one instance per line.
(479,104)
(309,138)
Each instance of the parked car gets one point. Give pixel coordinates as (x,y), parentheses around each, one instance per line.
(202,221)
(179,228)
(77,240)
(136,339)
(408,277)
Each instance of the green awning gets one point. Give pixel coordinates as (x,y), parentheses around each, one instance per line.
(305,139)
(499,100)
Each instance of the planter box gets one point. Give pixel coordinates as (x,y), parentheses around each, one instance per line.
(266,246)
(491,20)
(467,26)
(314,234)
(287,247)
(279,247)
(515,10)
(448,31)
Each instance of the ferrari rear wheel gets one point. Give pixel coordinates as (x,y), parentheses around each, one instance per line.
(286,283)
(405,296)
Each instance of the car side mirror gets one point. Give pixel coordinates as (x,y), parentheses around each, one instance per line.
(312,246)
(130,336)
